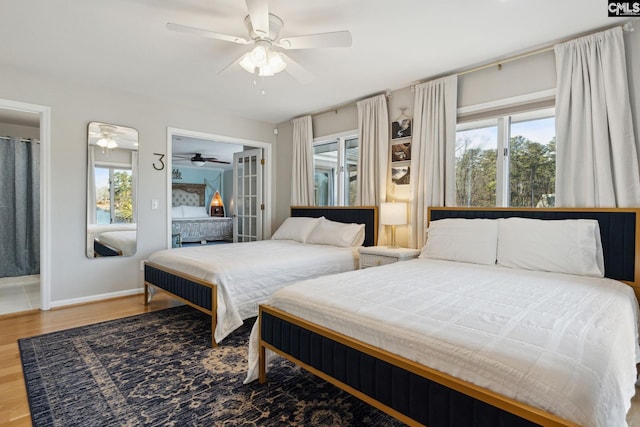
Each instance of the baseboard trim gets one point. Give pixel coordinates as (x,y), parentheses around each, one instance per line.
(95,298)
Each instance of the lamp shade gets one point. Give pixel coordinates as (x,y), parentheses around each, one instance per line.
(217,206)
(216,200)
(393,213)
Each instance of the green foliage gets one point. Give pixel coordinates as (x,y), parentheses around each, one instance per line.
(123,197)
(531,173)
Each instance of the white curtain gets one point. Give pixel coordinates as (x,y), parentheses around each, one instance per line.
(134,185)
(597,155)
(433,175)
(373,155)
(302,168)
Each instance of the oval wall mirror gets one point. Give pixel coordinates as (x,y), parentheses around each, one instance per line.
(112,172)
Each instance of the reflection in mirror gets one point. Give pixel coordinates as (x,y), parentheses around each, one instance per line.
(112,164)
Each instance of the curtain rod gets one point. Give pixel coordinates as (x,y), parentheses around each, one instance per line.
(7,138)
(627,27)
(504,61)
(386,93)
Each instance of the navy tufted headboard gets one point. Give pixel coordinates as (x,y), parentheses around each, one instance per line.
(367,215)
(619,231)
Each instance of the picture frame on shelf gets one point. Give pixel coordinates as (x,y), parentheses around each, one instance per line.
(401,151)
(401,128)
(401,173)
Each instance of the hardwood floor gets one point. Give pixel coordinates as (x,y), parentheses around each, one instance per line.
(14,407)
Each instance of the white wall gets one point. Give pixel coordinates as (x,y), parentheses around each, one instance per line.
(75,277)
(283,160)
(527,75)
(335,121)
(10,129)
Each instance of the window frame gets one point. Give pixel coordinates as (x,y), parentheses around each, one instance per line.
(112,167)
(339,180)
(503,122)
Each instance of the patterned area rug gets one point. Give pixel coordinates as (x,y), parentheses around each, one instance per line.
(159,369)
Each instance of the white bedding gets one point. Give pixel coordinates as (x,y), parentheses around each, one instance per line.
(124,240)
(199,229)
(564,343)
(248,273)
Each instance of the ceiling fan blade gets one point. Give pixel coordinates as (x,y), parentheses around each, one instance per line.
(206,33)
(218,161)
(232,64)
(297,71)
(259,14)
(310,41)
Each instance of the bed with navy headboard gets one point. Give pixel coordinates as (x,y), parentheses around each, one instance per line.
(415,392)
(172,271)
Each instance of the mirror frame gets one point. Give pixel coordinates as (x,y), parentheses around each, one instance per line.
(115,148)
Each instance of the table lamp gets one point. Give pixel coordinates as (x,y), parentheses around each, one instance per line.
(393,214)
(217,206)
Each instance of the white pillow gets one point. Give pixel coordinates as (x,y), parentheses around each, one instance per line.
(464,240)
(569,246)
(176,212)
(295,228)
(335,233)
(194,212)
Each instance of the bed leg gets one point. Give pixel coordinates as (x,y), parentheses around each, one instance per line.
(146,294)
(262,360)
(214,315)
(214,344)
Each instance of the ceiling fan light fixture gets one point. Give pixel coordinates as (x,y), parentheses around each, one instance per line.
(260,54)
(107,142)
(262,60)
(112,144)
(276,63)
(247,63)
(198,162)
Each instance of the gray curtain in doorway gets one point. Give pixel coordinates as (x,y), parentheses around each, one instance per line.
(19,207)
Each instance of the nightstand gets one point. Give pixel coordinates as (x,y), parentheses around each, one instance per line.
(373,256)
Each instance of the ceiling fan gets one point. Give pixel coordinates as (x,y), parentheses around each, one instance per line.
(106,135)
(198,160)
(264,33)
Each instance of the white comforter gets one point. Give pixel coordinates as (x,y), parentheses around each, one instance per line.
(248,273)
(124,240)
(564,343)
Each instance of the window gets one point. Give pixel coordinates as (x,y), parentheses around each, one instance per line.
(507,161)
(335,170)
(113,195)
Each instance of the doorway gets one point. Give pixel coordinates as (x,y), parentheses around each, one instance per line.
(30,122)
(221,140)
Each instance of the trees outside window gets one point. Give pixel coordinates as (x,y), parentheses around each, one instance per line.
(507,161)
(114,197)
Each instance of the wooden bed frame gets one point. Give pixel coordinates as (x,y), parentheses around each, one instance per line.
(419,395)
(202,295)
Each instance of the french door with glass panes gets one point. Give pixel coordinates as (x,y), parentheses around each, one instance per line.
(247,190)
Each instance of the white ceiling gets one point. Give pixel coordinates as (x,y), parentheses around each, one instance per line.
(124,44)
